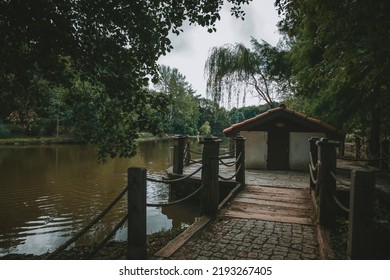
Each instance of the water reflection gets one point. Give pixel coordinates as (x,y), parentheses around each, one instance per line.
(47,193)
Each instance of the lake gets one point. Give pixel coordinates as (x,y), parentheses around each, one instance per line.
(48,193)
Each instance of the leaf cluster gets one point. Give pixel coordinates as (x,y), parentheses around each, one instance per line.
(340,55)
(112,46)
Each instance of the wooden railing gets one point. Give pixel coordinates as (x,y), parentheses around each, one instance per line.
(209,186)
(137,200)
(323,182)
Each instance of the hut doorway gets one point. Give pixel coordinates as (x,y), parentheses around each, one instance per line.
(278,149)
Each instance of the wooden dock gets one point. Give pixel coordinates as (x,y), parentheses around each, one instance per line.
(275,196)
(272,204)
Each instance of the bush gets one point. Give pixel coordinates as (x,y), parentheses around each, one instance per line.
(4,131)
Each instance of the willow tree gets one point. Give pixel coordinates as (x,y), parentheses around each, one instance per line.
(235,70)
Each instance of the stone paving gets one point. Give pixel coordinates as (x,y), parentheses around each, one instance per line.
(243,239)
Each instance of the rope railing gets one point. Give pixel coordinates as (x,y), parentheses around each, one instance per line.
(316,179)
(87,227)
(111,235)
(363,160)
(340,181)
(231,177)
(195,152)
(170,181)
(314,167)
(229,164)
(227,153)
(176,201)
(339,204)
(193,161)
(371,155)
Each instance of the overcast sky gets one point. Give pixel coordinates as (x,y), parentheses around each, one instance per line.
(191,47)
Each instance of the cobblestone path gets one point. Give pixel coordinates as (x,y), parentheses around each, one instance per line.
(232,238)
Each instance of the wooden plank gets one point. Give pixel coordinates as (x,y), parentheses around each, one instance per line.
(272,204)
(270,197)
(277,190)
(271,210)
(256,201)
(173,245)
(265,217)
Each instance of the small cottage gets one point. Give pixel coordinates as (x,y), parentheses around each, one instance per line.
(278,139)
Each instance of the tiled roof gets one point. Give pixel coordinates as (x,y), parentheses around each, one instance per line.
(288,113)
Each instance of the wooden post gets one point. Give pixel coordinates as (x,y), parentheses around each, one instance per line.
(179,143)
(342,147)
(358,146)
(327,216)
(231,146)
(187,159)
(384,164)
(314,156)
(136,205)
(210,171)
(240,150)
(361,215)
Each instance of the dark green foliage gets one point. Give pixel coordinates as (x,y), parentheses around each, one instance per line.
(181,112)
(240,114)
(340,54)
(216,116)
(110,46)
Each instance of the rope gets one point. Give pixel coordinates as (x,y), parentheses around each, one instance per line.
(339,204)
(319,179)
(234,175)
(175,202)
(356,159)
(227,153)
(193,161)
(195,152)
(311,162)
(165,181)
(87,227)
(340,181)
(315,181)
(228,164)
(104,242)
(371,155)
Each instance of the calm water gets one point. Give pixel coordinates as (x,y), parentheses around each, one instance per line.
(48,193)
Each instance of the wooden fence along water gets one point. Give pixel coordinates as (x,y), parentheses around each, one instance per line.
(137,199)
(324,181)
(209,188)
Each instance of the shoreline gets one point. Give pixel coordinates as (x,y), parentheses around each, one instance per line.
(113,250)
(62,140)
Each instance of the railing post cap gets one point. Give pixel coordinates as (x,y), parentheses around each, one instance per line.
(313,139)
(136,169)
(239,137)
(210,139)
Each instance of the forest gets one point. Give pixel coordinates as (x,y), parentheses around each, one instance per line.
(84,69)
